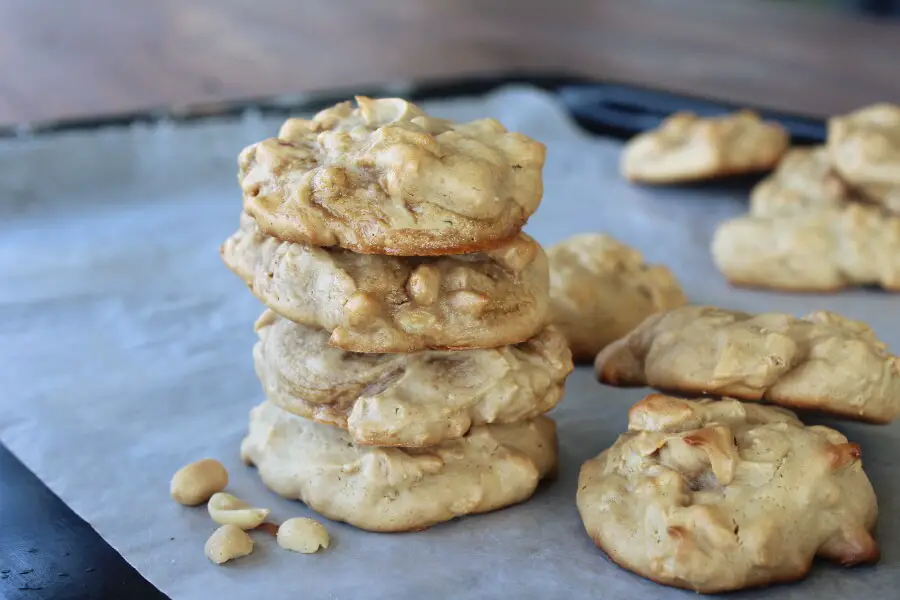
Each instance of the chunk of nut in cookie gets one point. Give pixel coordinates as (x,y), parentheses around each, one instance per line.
(227,543)
(226,509)
(302,535)
(424,284)
(195,483)
(361,309)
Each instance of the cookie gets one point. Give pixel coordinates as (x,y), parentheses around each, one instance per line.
(808,231)
(804,181)
(385,178)
(714,496)
(864,147)
(824,250)
(417,399)
(821,362)
(600,289)
(374,303)
(394,489)
(687,148)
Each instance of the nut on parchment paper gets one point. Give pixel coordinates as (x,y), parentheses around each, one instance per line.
(228,542)
(195,483)
(226,509)
(302,535)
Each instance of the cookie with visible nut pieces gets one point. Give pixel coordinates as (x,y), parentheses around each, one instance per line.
(808,231)
(687,148)
(398,489)
(714,496)
(375,303)
(385,178)
(864,147)
(821,362)
(416,399)
(600,289)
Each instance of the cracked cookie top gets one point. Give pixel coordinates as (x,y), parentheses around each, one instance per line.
(822,361)
(385,178)
(719,495)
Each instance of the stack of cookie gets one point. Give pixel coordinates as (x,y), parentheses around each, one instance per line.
(729,494)
(403,353)
(828,218)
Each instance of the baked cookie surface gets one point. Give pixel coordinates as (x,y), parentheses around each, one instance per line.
(687,147)
(600,289)
(385,178)
(416,399)
(715,496)
(808,231)
(804,181)
(824,250)
(374,303)
(394,489)
(864,147)
(821,362)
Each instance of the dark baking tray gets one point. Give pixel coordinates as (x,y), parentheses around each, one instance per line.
(46,550)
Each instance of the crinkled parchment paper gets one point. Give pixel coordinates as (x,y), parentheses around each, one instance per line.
(126,352)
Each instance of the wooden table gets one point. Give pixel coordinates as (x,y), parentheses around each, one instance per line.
(62,58)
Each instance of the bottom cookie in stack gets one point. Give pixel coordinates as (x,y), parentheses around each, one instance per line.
(398,489)
(715,496)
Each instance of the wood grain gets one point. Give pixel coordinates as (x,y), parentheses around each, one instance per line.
(62,58)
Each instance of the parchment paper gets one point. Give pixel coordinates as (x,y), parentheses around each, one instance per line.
(126,353)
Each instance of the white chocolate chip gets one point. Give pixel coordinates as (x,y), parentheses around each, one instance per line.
(195,483)
(226,509)
(228,542)
(302,535)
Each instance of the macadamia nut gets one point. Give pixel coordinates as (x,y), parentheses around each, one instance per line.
(228,542)
(226,509)
(302,535)
(195,483)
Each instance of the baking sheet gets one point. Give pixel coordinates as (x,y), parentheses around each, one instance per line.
(127,353)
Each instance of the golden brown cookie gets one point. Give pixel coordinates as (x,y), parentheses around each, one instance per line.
(714,496)
(808,231)
(600,289)
(373,303)
(686,148)
(823,250)
(385,178)
(865,149)
(804,181)
(398,489)
(821,362)
(416,399)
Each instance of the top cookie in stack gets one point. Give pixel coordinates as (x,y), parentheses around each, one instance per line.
(405,356)
(385,178)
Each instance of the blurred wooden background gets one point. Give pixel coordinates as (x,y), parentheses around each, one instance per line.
(64,58)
